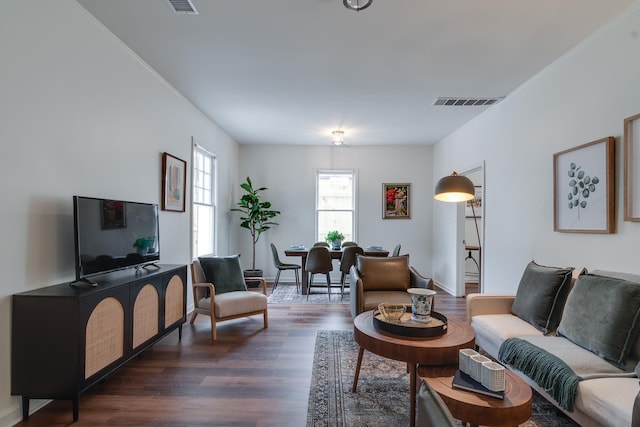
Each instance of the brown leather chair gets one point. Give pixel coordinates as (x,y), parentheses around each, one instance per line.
(374,280)
(319,262)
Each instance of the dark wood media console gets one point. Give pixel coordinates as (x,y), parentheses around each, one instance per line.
(64,339)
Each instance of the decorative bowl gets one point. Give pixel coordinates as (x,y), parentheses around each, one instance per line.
(392,312)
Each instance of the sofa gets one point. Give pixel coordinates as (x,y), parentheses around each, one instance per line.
(560,318)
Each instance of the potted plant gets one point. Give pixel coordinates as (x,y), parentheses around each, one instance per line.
(256,217)
(335,238)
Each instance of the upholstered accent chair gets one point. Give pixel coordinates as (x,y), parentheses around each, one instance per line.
(219,291)
(376,279)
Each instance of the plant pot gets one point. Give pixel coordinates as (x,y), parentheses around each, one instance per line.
(335,245)
(250,277)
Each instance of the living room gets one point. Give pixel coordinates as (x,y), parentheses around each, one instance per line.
(88,117)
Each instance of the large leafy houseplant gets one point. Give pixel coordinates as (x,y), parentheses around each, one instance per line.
(256,216)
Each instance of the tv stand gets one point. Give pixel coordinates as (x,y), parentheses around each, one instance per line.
(149,265)
(65,339)
(81,282)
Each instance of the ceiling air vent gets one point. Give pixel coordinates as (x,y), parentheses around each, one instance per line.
(183,6)
(467,102)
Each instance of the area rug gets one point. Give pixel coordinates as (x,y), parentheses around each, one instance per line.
(383,388)
(286,293)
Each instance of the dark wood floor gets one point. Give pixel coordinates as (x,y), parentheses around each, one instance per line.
(248,377)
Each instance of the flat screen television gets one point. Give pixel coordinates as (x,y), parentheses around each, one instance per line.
(113,234)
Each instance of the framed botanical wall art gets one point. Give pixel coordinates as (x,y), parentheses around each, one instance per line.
(174,181)
(584,188)
(632,168)
(396,201)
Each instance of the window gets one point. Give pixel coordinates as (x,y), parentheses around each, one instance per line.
(203,202)
(335,203)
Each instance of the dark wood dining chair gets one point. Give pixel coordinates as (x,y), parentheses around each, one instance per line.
(283,266)
(348,259)
(319,262)
(396,250)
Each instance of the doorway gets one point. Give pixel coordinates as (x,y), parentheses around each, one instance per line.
(471,252)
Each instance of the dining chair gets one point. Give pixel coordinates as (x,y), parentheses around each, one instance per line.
(346,244)
(283,266)
(348,259)
(319,262)
(396,250)
(324,244)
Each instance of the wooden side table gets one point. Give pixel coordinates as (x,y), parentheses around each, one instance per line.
(478,409)
(440,350)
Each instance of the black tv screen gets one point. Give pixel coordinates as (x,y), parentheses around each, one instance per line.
(113,234)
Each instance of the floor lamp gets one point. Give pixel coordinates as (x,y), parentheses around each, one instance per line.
(458,188)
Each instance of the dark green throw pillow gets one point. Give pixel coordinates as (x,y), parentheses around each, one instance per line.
(602,314)
(541,296)
(224,272)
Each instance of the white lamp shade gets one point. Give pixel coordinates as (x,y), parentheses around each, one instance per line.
(455,188)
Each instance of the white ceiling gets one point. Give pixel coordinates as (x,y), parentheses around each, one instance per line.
(291,71)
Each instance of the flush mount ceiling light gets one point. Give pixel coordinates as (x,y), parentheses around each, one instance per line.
(357,5)
(337,136)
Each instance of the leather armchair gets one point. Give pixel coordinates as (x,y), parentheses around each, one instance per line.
(373,280)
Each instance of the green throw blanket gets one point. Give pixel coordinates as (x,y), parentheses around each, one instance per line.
(549,371)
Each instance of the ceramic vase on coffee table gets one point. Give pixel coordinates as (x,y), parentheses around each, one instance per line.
(421,303)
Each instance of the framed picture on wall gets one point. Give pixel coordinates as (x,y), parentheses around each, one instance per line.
(474,205)
(584,188)
(396,201)
(632,168)
(174,181)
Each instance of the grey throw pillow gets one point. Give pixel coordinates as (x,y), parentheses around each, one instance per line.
(224,272)
(541,296)
(602,314)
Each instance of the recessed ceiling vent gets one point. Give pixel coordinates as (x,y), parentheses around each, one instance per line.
(467,102)
(183,6)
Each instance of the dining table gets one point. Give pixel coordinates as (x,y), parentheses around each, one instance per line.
(335,254)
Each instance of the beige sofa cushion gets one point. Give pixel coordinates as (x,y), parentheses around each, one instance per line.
(238,302)
(493,329)
(608,400)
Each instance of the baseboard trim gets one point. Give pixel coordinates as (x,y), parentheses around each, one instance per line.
(13,416)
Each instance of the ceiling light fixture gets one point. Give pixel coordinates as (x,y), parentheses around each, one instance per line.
(357,5)
(337,137)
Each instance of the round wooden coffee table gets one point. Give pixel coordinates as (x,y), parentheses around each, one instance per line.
(478,409)
(440,350)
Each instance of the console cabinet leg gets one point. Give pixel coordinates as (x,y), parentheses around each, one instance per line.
(76,408)
(25,408)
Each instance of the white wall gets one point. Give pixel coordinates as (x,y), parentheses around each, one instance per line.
(582,97)
(289,174)
(81,115)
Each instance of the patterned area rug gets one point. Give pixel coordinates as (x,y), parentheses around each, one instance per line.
(286,293)
(383,387)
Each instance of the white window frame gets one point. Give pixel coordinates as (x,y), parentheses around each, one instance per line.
(198,150)
(354,217)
